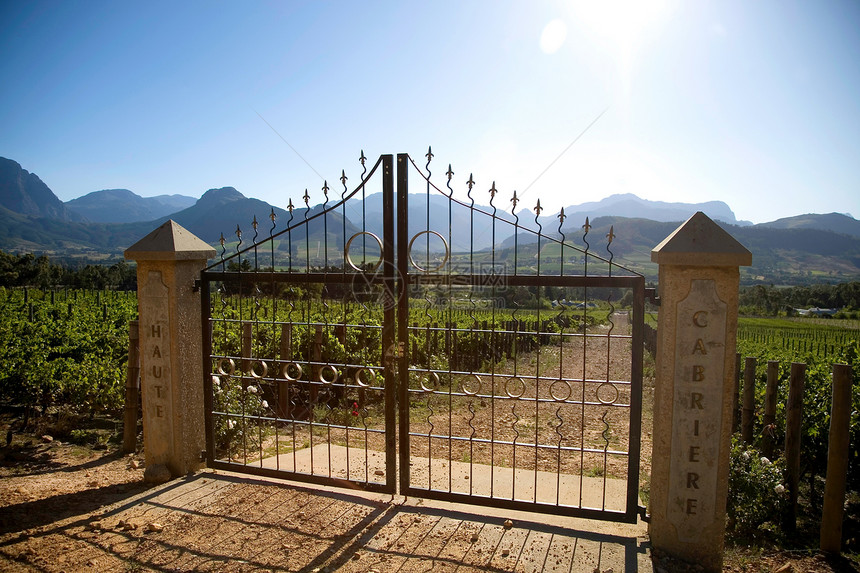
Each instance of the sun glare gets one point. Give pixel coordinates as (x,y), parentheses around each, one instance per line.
(620,21)
(553,36)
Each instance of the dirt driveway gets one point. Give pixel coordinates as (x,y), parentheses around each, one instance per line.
(64,510)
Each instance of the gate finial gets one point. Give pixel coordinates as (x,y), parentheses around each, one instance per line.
(325,189)
(514,200)
(362,159)
(307,197)
(470,182)
(561,217)
(538,208)
(587,226)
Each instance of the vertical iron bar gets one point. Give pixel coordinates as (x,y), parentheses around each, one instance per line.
(388,326)
(402,283)
(208,402)
(634,439)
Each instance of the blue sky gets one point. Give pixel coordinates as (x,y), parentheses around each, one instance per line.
(755,103)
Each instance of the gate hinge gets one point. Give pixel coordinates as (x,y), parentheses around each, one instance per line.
(651,295)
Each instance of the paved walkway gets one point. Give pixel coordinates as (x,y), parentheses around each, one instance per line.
(222,521)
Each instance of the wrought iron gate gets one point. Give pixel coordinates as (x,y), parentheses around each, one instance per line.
(421,344)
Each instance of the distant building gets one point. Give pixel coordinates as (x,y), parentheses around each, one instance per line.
(815,311)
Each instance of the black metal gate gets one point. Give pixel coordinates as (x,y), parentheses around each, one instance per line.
(420,344)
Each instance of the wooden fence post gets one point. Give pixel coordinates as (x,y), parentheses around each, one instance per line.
(247,343)
(736,416)
(769,418)
(837,460)
(316,354)
(287,356)
(129,427)
(748,414)
(793,414)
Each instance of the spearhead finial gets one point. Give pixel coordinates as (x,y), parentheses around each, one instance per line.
(561,216)
(254,223)
(470,182)
(429,154)
(493,190)
(514,200)
(611,234)
(450,172)
(290,206)
(343,177)
(238,232)
(538,208)
(222,240)
(307,197)
(325,189)
(587,226)
(362,159)
(272,215)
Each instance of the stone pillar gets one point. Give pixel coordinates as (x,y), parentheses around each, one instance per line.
(698,283)
(169,260)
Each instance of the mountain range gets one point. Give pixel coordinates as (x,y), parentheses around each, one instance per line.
(100,225)
(123,206)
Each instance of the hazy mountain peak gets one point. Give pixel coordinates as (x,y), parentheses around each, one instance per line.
(836,222)
(124,206)
(221,195)
(630,205)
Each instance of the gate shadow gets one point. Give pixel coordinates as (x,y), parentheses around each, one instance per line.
(220,521)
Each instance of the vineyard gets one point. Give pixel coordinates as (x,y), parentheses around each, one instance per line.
(64,348)
(69,348)
(817,343)
(455,355)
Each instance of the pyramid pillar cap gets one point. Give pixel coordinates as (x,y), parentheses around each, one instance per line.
(699,241)
(170,242)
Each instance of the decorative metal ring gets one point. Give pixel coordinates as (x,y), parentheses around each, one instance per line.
(333,370)
(349,258)
(559,397)
(614,398)
(433,379)
(522,388)
(371,377)
(444,259)
(464,386)
(254,371)
(230,364)
(285,371)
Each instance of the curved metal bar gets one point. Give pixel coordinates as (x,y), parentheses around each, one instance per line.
(349,258)
(444,259)
(331,369)
(524,229)
(316,216)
